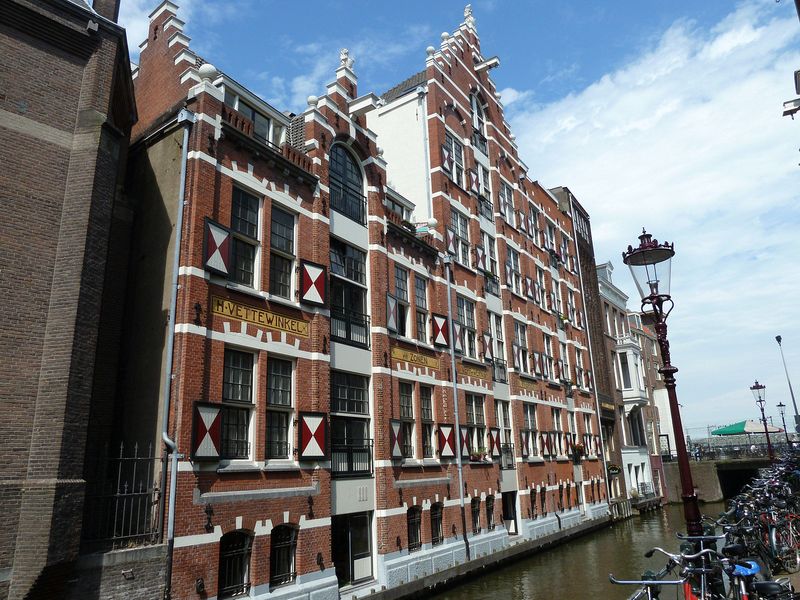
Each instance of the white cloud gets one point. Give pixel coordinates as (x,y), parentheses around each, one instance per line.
(688,140)
(509,96)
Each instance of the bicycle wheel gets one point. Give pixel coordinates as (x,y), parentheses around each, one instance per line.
(783,549)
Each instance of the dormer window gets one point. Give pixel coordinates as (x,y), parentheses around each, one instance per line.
(265,129)
(478,124)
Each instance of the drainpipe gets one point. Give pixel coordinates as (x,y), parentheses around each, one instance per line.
(446,259)
(185,118)
(591,357)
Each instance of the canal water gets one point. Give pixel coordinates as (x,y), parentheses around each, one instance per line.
(579,569)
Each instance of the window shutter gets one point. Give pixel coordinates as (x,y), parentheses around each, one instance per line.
(447,441)
(480,258)
(391,313)
(395,439)
(494,434)
(488,354)
(508,275)
(458,342)
(440,333)
(474,185)
(447,160)
(524,438)
(313,434)
(207,430)
(464,445)
(313,283)
(451,241)
(217,249)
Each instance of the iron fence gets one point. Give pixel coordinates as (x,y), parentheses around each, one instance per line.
(123,506)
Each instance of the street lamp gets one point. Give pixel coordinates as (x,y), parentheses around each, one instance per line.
(760,394)
(789,381)
(650,265)
(782,409)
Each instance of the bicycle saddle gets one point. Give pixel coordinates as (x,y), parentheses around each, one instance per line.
(734,550)
(768,588)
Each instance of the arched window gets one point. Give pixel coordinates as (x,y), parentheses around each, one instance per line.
(346,185)
(437,535)
(234,564)
(414,537)
(283,545)
(478,123)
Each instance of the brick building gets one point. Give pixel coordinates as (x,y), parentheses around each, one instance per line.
(312,389)
(66,111)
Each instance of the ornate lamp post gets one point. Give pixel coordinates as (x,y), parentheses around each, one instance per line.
(760,394)
(650,265)
(782,409)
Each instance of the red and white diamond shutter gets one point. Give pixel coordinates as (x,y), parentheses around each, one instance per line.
(313,436)
(451,241)
(474,185)
(395,439)
(528,287)
(494,435)
(207,431)
(525,439)
(440,334)
(521,221)
(391,313)
(447,160)
(567,442)
(543,443)
(508,275)
(217,250)
(313,283)
(447,441)
(480,257)
(487,343)
(464,445)
(520,359)
(458,332)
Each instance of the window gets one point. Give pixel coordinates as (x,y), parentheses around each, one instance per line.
(456,150)
(483,181)
(421,301)
(281,254)
(401,294)
(625,370)
(426,406)
(407,419)
(547,358)
(279,407)
(558,427)
(396,207)
(529,418)
(555,300)
(414,521)
(496,322)
(503,420)
(521,347)
(507,203)
(564,370)
(237,404)
(571,305)
(437,534)
(490,513)
(476,426)
(536,231)
(466,317)
(490,253)
(475,506)
(478,124)
(283,544)
(244,226)
(513,273)
(348,292)
(550,240)
(234,564)
(539,288)
(580,377)
(459,225)
(346,186)
(349,393)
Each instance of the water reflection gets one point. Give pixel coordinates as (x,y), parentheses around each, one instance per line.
(582,566)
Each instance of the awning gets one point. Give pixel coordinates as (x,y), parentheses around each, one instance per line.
(743,427)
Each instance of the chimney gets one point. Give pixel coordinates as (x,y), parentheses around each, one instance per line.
(107,8)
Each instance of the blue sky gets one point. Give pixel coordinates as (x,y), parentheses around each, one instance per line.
(658,114)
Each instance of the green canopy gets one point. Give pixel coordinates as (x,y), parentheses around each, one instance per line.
(743,427)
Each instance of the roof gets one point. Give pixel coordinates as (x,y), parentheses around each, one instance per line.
(405,87)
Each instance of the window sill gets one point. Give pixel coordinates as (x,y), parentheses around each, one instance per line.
(528,376)
(562,458)
(414,342)
(536,460)
(278,464)
(473,361)
(246,290)
(284,301)
(239,467)
(418,463)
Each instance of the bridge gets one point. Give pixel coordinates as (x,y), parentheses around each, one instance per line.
(715,479)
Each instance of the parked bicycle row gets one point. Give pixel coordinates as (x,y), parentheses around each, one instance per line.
(745,553)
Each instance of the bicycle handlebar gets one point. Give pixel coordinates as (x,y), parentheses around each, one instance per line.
(648,583)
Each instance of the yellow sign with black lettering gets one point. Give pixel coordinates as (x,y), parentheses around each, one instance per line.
(527,385)
(258,316)
(473,371)
(415,358)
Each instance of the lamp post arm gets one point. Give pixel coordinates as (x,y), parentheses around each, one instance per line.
(791,391)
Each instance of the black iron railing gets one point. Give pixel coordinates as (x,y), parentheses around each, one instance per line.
(348,202)
(349,459)
(350,327)
(499,371)
(277,449)
(123,506)
(507,460)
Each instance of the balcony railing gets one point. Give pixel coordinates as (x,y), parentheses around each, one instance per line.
(348,202)
(350,327)
(499,371)
(507,460)
(492,285)
(277,449)
(485,208)
(351,459)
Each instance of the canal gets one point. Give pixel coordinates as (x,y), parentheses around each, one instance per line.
(580,568)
